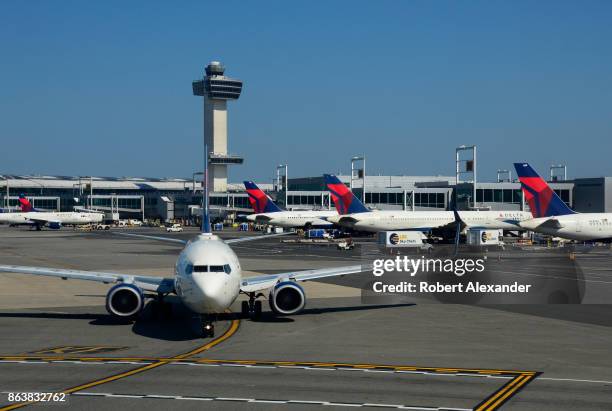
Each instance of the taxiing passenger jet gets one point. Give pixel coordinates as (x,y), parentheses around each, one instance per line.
(553,217)
(207,278)
(50,219)
(353,214)
(267,212)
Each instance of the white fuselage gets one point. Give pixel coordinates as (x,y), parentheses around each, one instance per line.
(65,217)
(294,219)
(427,220)
(581,227)
(199,281)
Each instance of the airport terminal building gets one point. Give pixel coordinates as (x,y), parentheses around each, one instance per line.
(179,199)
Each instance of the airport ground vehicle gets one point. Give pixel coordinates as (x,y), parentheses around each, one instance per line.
(101,226)
(174,228)
(317,233)
(345,245)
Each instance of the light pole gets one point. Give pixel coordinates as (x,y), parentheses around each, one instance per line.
(196,173)
(285,183)
(556,167)
(466,167)
(501,173)
(89,202)
(361,158)
(6,178)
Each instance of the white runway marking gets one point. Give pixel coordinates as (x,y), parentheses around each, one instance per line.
(574,380)
(266,401)
(284,367)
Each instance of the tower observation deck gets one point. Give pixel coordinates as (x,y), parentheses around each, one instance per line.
(217,89)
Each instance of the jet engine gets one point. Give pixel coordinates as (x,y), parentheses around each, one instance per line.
(287,298)
(125,300)
(56,225)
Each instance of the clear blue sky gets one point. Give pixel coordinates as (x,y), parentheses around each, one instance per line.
(104,88)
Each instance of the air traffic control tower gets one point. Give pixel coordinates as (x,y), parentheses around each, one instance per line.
(217,89)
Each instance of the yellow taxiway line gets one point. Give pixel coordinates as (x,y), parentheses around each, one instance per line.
(230,331)
(519,380)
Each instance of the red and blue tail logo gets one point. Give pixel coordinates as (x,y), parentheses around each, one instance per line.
(260,202)
(542,200)
(25,204)
(344,199)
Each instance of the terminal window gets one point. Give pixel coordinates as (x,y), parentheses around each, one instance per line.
(304,200)
(498,195)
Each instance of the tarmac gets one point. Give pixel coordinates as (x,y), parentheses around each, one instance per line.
(338,353)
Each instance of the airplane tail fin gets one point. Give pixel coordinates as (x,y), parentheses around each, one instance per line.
(259,200)
(542,200)
(344,199)
(25,204)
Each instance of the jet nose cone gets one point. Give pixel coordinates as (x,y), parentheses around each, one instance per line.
(210,284)
(212,287)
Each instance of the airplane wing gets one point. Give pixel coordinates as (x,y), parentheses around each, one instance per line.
(263,282)
(154,237)
(456,225)
(261,218)
(255,237)
(147,283)
(39,220)
(230,241)
(347,220)
(551,223)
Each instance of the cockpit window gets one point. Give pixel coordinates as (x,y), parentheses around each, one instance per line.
(209,269)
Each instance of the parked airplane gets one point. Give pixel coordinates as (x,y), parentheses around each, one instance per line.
(51,219)
(553,217)
(353,214)
(267,212)
(208,279)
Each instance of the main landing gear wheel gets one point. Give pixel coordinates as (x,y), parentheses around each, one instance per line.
(257,309)
(252,308)
(244,309)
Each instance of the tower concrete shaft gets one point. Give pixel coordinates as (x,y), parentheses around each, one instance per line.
(215,137)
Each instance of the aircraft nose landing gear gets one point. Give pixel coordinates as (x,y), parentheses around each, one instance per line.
(208,327)
(252,308)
